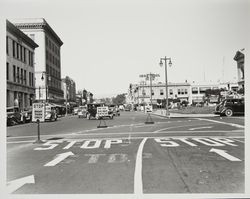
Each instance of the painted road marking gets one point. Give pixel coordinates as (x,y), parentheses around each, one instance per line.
(138,185)
(59,158)
(224,154)
(171,142)
(238,140)
(18,183)
(172,127)
(123,142)
(204,127)
(70,144)
(219,122)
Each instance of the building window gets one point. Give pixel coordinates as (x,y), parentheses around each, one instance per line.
(46,40)
(29,78)
(203,89)
(47,55)
(161,92)
(186,91)
(32,59)
(32,79)
(7,71)
(18,78)
(14,73)
(171,91)
(14,48)
(182,91)
(195,90)
(179,91)
(24,77)
(17,51)
(21,76)
(21,53)
(7,46)
(32,36)
(24,55)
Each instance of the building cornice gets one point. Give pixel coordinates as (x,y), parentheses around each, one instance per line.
(41,24)
(11,28)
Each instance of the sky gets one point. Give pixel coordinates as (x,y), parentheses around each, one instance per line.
(109,43)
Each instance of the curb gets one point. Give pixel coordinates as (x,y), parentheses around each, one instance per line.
(186,116)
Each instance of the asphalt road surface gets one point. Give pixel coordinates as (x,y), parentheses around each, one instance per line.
(176,155)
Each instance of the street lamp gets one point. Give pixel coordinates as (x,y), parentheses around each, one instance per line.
(47,78)
(67,99)
(165,59)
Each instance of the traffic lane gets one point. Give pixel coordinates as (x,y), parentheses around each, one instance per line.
(171,125)
(72,124)
(117,159)
(179,127)
(178,167)
(90,166)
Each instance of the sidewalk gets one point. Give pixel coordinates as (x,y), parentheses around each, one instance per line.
(162,113)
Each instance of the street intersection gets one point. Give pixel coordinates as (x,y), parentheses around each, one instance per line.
(173,155)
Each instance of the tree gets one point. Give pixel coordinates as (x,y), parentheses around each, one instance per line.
(91,100)
(241,91)
(119,99)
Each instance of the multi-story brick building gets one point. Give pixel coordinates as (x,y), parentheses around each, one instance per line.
(47,59)
(19,67)
(69,89)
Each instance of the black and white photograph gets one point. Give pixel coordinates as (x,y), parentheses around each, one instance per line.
(124,98)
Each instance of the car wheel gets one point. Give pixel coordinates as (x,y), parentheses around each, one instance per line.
(229,112)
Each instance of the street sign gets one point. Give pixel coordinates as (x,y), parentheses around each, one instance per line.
(38,112)
(102,111)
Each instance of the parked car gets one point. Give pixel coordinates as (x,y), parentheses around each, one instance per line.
(75,110)
(13,116)
(16,116)
(27,115)
(115,109)
(92,111)
(50,112)
(82,111)
(230,107)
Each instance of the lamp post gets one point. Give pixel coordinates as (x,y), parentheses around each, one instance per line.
(47,78)
(165,59)
(66,100)
(150,77)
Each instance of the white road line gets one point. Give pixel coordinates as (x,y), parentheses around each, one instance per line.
(138,185)
(59,158)
(225,155)
(148,137)
(241,141)
(179,127)
(219,122)
(18,183)
(129,134)
(204,127)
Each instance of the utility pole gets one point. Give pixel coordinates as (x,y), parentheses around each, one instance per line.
(150,77)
